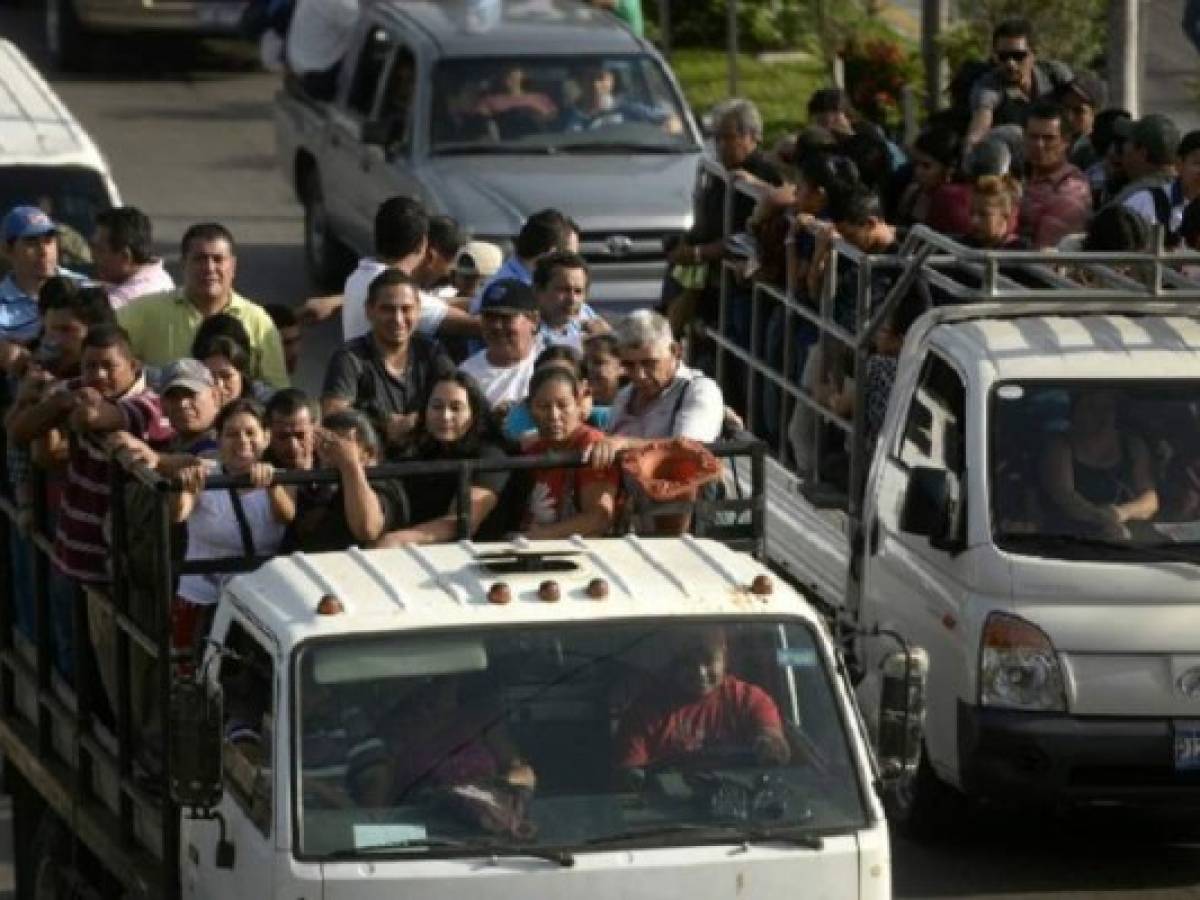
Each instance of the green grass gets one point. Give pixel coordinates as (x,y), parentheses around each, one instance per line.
(780,90)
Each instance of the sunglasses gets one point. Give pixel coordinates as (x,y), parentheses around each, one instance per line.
(1012,55)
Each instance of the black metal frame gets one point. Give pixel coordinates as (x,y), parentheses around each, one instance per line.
(66,713)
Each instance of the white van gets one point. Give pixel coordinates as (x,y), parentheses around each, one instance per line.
(46,158)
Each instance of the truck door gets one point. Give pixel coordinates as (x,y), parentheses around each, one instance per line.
(386,164)
(348,191)
(911,583)
(248,682)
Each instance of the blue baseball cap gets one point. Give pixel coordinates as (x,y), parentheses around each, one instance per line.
(27,222)
(508,295)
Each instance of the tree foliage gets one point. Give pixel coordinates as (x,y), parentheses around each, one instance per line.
(1073,31)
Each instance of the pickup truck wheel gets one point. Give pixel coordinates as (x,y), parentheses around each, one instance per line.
(66,38)
(922,806)
(328,260)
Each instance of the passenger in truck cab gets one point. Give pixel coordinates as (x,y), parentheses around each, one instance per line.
(1098,481)
(698,707)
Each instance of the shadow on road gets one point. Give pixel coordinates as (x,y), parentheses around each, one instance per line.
(1036,853)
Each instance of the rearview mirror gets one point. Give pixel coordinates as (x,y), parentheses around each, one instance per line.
(931,506)
(194,753)
(902,712)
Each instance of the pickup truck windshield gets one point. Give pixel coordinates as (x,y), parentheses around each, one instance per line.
(571,737)
(558,104)
(1087,470)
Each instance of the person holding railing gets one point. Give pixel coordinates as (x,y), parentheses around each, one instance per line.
(564,502)
(455,423)
(261,513)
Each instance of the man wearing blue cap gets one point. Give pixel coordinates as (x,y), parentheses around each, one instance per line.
(31,243)
(509,313)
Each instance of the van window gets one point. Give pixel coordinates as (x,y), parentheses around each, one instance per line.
(247,679)
(369,72)
(935,432)
(71,195)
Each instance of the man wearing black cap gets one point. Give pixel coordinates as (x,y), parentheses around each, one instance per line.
(510,326)
(1149,160)
(1081,100)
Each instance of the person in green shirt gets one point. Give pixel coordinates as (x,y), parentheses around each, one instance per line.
(629,11)
(161,327)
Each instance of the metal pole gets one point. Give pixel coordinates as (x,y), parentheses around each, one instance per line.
(934,18)
(1125,60)
(731,27)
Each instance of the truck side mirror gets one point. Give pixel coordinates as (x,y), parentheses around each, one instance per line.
(902,712)
(194,754)
(931,506)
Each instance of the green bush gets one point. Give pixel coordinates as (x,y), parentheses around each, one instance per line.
(1073,31)
(762,24)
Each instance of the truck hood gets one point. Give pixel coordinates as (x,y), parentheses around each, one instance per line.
(602,192)
(759,872)
(1102,607)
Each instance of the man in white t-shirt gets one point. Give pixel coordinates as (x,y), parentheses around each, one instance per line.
(510,336)
(318,38)
(664,398)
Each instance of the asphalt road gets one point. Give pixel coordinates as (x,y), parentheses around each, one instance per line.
(188,133)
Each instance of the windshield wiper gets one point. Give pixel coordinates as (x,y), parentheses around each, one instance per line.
(487,149)
(740,833)
(561,857)
(619,147)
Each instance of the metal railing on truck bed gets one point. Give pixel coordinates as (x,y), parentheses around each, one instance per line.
(108,781)
(965,283)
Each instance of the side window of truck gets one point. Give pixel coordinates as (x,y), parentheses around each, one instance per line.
(935,431)
(247,679)
(395,111)
(368,73)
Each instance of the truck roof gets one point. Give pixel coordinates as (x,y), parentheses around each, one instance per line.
(35,126)
(476,28)
(1081,346)
(448,584)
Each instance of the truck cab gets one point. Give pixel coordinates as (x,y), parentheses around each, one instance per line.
(490,113)
(463,719)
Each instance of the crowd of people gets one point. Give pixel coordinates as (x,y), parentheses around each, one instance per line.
(453,352)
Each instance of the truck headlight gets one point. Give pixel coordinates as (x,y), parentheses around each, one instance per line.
(1019,667)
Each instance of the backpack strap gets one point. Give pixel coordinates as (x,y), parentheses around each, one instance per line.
(239,513)
(678,407)
(1162,205)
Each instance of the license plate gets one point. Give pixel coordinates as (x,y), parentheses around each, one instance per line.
(223,15)
(1187,746)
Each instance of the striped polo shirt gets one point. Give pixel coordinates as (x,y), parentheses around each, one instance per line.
(80,541)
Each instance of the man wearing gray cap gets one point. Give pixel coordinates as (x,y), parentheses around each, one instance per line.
(189,400)
(1149,161)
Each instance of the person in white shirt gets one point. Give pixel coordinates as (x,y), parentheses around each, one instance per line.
(560,286)
(318,38)
(664,398)
(510,336)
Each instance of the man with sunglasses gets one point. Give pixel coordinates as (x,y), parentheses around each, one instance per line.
(1018,78)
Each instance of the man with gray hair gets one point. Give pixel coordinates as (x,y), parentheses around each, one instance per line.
(664,398)
(737,131)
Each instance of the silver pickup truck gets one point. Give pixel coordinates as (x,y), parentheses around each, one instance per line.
(489,112)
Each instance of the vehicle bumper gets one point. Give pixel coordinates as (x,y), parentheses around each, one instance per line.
(1009,755)
(201,17)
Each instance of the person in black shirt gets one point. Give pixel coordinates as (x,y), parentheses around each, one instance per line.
(385,372)
(454,423)
(356,511)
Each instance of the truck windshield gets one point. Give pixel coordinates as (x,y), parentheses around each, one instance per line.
(574,737)
(1090,470)
(71,195)
(559,104)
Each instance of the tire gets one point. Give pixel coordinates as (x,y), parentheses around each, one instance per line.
(327,259)
(922,807)
(66,38)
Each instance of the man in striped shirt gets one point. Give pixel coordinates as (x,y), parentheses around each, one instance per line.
(111,396)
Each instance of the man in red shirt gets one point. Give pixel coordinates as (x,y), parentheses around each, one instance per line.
(1058,197)
(701,707)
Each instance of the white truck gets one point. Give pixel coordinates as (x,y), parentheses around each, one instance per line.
(488,721)
(1029,515)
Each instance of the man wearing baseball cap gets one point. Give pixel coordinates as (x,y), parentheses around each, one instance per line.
(31,245)
(1081,99)
(189,400)
(510,335)
(1151,143)
(477,262)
